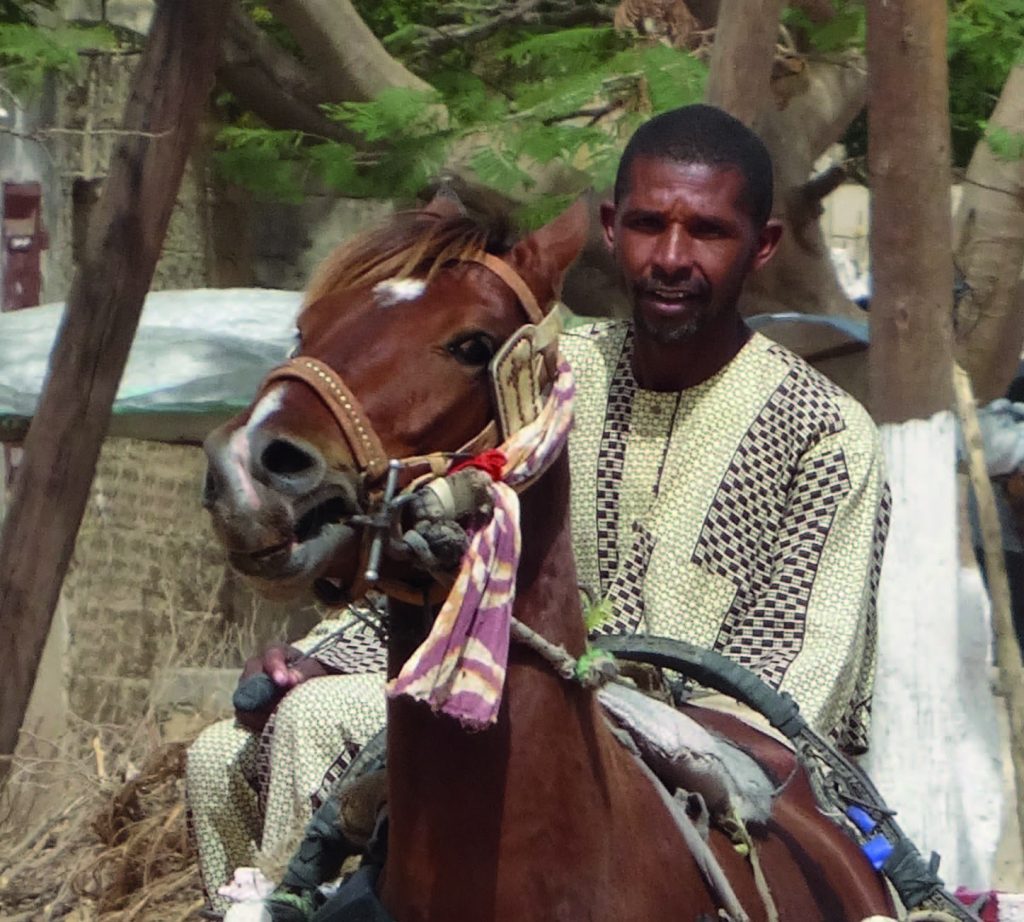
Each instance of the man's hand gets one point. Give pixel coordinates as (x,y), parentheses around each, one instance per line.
(284,667)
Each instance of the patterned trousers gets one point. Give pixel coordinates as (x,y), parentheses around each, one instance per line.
(250,796)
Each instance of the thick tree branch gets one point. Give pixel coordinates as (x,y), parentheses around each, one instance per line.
(562,13)
(356,66)
(272,83)
(990,251)
(836,92)
(741,58)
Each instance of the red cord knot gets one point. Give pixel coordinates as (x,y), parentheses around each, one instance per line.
(491,462)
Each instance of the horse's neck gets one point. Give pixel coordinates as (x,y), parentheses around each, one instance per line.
(451,791)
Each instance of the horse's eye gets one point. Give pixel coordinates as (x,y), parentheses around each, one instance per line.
(472,349)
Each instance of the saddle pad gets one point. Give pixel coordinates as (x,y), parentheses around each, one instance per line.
(685,755)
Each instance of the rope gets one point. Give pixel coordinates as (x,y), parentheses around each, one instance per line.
(700,851)
(738,834)
(594,669)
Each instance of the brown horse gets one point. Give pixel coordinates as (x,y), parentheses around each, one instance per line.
(544,815)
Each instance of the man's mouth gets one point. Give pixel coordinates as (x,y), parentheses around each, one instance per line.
(666,298)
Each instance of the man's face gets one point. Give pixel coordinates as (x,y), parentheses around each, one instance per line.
(685,242)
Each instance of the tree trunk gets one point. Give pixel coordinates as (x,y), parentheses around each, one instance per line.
(169,93)
(908,160)
(990,252)
(274,84)
(931,686)
(801,276)
(742,56)
(798,124)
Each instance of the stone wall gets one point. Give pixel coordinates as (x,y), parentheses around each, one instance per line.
(148,589)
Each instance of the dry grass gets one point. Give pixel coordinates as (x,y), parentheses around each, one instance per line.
(115,853)
(93,826)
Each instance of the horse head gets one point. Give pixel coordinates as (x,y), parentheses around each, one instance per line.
(395,338)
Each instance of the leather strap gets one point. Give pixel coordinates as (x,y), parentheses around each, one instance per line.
(346,409)
(514,281)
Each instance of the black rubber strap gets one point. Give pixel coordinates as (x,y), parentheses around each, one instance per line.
(711,670)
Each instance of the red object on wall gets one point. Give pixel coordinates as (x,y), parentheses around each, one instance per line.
(24,238)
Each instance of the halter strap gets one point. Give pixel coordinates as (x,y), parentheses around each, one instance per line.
(514,281)
(346,409)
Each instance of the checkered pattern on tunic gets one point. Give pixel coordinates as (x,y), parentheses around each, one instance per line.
(719,516)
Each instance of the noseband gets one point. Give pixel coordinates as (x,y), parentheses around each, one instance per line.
(519,373)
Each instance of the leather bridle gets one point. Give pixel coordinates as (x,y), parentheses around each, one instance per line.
(519,373)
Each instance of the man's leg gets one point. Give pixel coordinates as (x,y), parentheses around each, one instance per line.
(315,732)
(223,812)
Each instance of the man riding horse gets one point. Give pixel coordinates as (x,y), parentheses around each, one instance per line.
(723,492)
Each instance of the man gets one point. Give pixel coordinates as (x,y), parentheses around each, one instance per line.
(724,492)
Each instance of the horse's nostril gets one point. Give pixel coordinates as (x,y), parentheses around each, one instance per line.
(283,457)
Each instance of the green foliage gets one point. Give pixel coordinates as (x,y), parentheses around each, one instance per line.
(396,113)
(29,52)
(845,30)
(270,163)
(563,99)
(1005,144)
(986,38)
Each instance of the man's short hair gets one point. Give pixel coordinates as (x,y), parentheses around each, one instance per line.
(707,135)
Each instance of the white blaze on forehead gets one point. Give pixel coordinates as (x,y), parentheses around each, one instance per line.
(269,403)
(394,291)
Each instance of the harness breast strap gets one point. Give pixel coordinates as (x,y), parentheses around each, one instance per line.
(346,409)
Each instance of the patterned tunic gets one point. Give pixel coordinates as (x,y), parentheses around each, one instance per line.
(746,514)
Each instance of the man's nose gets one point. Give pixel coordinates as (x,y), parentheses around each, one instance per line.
(673,256)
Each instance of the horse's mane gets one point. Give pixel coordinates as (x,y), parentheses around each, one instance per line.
(411,244)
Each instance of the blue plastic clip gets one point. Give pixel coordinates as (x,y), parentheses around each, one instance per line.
(878,849)
(861,819)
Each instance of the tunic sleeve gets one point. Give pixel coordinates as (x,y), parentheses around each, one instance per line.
(349,645)
(815,619)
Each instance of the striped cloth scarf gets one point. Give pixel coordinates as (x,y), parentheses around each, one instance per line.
(459,670)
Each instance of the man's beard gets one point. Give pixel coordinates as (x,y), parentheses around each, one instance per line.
(671,332)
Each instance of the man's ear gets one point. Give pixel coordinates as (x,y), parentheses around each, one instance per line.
(608,223)
(767,243)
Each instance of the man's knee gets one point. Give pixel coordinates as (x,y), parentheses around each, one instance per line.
(219,750)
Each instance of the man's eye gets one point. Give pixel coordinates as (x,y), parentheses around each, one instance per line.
(645,224)
(472,349)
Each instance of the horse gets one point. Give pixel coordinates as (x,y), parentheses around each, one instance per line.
(544,814)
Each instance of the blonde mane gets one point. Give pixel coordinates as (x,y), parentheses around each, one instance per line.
(412,244)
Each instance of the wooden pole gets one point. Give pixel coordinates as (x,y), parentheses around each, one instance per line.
(1008,656)
(169,92)
(911,361)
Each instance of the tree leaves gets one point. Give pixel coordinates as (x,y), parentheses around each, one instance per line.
(986,38)
(396,112)
(1005,144)
(526,100)
(28,52)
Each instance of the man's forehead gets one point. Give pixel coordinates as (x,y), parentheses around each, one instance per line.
(655,178)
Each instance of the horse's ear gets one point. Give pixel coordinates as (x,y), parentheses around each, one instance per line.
(543,257)
(446,203)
